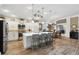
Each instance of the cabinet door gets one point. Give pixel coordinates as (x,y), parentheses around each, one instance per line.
(26,41)
(16,35)
(12,36)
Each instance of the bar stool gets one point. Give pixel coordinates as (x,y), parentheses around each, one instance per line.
(35,41)
(47,40)
(42,40)
(50,40)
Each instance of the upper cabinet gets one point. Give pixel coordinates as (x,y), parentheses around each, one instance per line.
(74,23)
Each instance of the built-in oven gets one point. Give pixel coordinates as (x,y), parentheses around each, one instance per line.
(21,28)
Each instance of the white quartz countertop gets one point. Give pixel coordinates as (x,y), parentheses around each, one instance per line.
(31,33)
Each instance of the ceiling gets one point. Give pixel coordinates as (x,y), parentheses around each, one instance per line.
(27,10)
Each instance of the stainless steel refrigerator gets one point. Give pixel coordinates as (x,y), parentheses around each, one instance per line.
(3,36)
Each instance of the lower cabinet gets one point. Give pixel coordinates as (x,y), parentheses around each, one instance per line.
(12,36)
(74,35)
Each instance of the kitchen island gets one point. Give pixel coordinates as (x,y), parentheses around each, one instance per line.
(27,37)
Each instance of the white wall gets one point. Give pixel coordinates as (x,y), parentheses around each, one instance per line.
(33,26)
(45,25)
(65,28)
(66,25)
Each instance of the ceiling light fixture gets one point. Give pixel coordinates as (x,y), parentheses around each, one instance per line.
(54,16)
(32,21)
(30,18)
(13,15)
(5,10)
(45,13)
(29,8)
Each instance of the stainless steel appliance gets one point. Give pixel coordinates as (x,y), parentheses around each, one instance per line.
(21,28)
(3,36)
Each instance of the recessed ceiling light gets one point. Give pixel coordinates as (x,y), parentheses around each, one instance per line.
(29,8)
(37,18)
(32,21)
(29,18)
(13,15)
(5,10)
(43,22)
(45,13)
(55,16)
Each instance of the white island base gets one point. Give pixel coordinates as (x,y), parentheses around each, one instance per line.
(27,38)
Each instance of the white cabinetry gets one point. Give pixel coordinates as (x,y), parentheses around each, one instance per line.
(12,30)
(12,36)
